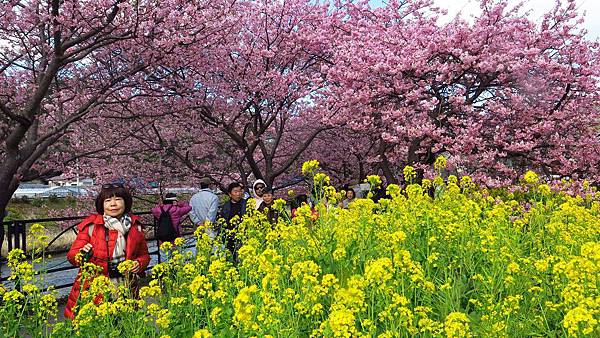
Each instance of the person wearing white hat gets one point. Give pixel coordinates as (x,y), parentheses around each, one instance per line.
(258,189)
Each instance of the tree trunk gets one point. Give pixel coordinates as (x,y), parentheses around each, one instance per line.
(8,183)
(385,166)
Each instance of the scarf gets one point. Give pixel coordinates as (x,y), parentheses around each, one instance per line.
(122,226)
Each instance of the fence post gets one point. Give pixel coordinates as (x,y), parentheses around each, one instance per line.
(9,235)
(23,230)
(3,235)
(155,225)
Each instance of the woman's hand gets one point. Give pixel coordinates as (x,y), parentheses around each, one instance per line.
(136,267)
(87,247)
(84,255)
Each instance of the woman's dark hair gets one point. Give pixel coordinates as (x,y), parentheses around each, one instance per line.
(298,200)
(113,191)
(169,198)
(302,198)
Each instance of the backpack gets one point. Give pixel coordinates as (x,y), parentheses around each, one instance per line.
(165,231)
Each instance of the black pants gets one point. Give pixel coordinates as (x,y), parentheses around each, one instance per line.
(1,244)
(1,236)
(232,245)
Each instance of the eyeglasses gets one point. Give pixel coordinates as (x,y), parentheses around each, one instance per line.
(112,185)
(259,187)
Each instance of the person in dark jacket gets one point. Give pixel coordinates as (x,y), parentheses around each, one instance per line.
(266,206)
(236,206)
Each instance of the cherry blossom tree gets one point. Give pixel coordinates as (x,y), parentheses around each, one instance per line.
(346,154)
(496,96)
(249,105)
(63,62)
(171,91)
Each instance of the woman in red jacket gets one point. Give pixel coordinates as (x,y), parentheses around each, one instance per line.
(108,238)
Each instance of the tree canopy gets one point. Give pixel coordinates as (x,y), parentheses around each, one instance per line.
(178,90)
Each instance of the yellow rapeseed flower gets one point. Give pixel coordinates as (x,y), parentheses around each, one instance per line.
(13,296)
(373,180)
(409,173)
(321,179)
(166,246)
(179,241)
(243,306)
(163,319)
(379,271)
(456,325)
(203,333)
(530,177)
(440,163)
(580,319)
(309,168)
(340,323)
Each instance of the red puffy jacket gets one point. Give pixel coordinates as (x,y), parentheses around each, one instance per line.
(135,249)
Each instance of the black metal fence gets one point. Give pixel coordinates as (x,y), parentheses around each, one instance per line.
(16,237)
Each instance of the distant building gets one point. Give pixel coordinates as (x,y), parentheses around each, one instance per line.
(35,190)
(68,181)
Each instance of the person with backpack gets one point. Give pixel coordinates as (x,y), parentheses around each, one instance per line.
(169,215)
(107,238)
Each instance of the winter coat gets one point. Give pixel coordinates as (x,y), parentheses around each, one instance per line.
(135,249)
(226,210)
(205,205)
(272,214)
(257,199)
(177,212)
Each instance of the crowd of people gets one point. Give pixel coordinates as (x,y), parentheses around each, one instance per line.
(113,234)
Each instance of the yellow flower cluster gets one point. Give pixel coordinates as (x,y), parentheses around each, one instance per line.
(456,325)
(321,179)
(440,163)
(126,266)
(409,173)
(40,239)
(459,262)
(243,305)
(530,177)
(373,180)
(309,168)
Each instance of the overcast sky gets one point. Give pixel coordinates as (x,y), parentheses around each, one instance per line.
(467,8)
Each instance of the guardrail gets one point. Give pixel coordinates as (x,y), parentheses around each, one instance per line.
(17,238)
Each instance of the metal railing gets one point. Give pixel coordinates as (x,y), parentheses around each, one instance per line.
(17,239)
